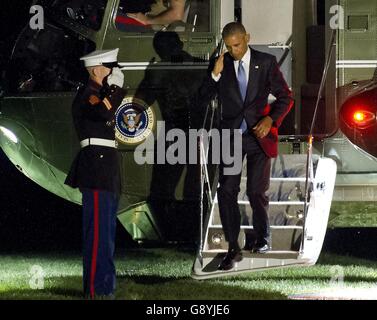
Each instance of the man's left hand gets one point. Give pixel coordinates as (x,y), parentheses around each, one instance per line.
(263,127)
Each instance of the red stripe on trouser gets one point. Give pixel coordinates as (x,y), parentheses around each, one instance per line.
(95,244)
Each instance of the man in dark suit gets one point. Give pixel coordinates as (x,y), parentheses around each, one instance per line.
(243,78)
(95,170)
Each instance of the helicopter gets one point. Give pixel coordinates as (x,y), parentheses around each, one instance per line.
(164,66)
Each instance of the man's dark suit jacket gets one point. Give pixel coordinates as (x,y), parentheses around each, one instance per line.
(264,78)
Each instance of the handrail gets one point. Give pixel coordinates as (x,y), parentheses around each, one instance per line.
(309,160)
(204,156)
(204,176)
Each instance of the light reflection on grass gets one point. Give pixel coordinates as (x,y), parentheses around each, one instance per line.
(165,274)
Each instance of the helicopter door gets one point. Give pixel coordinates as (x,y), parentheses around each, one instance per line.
(260,20)
(301,186)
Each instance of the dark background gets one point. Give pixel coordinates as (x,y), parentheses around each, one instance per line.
(32,219)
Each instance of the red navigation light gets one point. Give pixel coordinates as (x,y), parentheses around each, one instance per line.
(363,118)
(359,116)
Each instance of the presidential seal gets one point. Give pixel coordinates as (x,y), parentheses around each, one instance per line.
(134,121)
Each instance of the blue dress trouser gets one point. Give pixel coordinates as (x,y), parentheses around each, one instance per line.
(99,226)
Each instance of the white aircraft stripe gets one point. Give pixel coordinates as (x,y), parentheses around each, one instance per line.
(356,61)
(356,64)
(163,66)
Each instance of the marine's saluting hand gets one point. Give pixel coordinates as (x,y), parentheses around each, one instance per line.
(116,77)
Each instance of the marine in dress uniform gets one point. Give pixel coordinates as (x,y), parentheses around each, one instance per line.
(95,170)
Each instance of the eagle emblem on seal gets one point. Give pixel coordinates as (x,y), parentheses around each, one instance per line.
(132,121)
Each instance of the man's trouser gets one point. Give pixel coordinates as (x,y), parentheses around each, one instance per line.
(99,226)
(258,181)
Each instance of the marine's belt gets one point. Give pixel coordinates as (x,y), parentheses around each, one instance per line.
(98,142)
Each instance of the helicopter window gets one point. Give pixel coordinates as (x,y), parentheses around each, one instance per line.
(47,61)
(358,23)
(170,15)
(86,12)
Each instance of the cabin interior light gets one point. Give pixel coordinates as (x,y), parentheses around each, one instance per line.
(217,238)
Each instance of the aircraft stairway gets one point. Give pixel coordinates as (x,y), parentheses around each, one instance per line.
(289,216)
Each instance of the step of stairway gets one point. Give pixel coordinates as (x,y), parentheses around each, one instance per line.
(207,266)
(273,254)
(288,166)
(243,227)
(289,214)
(283,238)
(291,165)
(287,179)
(276,203)
(280,189)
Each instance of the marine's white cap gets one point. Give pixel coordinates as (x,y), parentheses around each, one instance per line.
(100,57)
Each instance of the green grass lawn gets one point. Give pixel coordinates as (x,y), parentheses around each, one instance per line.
(353,214)
(159,274)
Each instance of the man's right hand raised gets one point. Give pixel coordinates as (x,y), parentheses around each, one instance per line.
(116,77)
(219,65)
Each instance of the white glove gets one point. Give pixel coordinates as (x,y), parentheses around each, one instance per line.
(116,77)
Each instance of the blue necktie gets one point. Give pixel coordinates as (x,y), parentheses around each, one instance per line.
(242,82)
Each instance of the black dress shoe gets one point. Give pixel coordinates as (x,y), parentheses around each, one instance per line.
(261,249)
(248,246)
(233,256)
(250,240)
(109,296)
